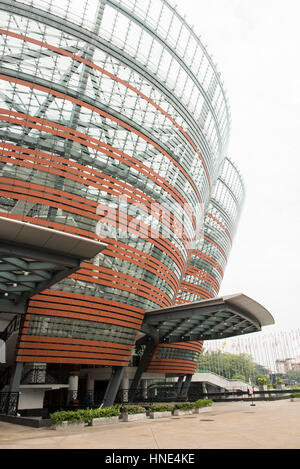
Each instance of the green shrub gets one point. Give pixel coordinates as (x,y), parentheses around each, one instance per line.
(202,403)
(295,394)
(83,415)
(160,407)
(132,409)
(184,405)
(261,381)
(65,415)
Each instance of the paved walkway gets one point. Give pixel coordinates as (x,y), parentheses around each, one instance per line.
(237,425)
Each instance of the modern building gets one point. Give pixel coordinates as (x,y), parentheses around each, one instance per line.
(206,267)
(114,135)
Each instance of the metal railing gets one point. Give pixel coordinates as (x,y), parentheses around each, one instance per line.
(239,394)
(13,326)
(5,377)
(9,403)
(40,375)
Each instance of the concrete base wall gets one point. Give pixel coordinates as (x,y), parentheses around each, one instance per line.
(182,412)
(31,399)
(158,415)
(133,417)
(28,422)
(105,421)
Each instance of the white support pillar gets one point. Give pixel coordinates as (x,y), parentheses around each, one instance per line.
(90,384)
(90,387)
(125,388)
(144,383)
(73,385)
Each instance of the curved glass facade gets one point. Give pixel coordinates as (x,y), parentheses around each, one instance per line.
(207,264)
(177,358)
(114,123)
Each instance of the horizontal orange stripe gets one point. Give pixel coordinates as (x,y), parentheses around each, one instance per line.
(53,295)
(208,259)
(193,346)
(202,276)
(138,291)
(68,353)
(72,348)
(101,317)
(82,308)
(86,317)
(60,340)
(116,278)
(122,251)
(153,207)
(104,114)
(221,224)
(195,290)
(77,361)
(113,217)
(91,269)
(113,77)
(170,361)
(176,370)
(72,201)
(91,174)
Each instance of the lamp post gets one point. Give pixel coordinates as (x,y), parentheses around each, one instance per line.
(250,393)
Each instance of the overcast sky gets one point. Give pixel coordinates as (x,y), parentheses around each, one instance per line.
(255,44)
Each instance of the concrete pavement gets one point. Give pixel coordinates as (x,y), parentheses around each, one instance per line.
(230,425)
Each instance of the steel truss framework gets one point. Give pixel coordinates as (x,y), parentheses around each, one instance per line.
(24,272)
(30,265)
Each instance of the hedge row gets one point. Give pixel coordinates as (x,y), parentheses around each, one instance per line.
(193,405)
(83,415)
(86,415)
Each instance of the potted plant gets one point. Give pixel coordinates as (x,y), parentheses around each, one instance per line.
(278,383)
(261,381)
(160,410)
(132,412)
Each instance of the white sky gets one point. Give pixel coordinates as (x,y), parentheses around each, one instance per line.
(255,44)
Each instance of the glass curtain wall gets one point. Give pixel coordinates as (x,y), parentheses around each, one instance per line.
(114,122)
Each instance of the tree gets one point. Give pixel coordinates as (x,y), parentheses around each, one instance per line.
(294,375)
(231,365)
(240,377)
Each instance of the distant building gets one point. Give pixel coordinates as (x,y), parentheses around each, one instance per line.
(284,365)
(296,366)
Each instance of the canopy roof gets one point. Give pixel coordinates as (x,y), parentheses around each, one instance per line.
(216,318)
(33,258)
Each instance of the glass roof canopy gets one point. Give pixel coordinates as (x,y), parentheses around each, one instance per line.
(217,318)
(33,258)
(25,272)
